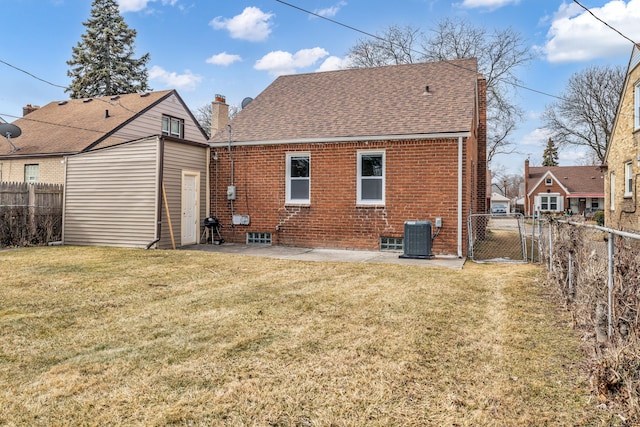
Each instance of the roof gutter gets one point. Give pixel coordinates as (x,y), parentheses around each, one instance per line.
(444,135)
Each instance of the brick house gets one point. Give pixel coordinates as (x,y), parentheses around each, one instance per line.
(622,160)
(556,189)
(342,159)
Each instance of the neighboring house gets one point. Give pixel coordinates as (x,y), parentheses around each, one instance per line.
(72,126)
(342,159)
(127,163)
(622,159)
(500,204)
(558,189)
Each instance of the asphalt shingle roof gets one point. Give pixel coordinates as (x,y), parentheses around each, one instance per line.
(391,100)
(71,126)
(576,179)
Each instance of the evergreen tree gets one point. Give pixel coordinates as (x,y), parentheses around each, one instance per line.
(550,155)
(102,63)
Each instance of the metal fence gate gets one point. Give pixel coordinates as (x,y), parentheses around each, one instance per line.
(497,238)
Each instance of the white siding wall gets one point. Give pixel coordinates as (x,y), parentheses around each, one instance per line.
(111,196)
(177,158)
(150,123)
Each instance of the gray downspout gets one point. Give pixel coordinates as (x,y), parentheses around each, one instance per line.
(160,172)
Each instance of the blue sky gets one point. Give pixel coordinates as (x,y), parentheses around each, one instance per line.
(237,47)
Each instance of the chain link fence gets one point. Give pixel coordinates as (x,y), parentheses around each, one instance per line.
(497,238)
(596,272)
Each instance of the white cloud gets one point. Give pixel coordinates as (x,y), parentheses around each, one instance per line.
(487,4)
(334,63)
(331,11)
(132,5)
(252,24)
(187,81)
(138,5)
(280,62)
(575,35)
(223,59)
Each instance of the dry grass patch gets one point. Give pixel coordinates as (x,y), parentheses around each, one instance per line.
(100,336)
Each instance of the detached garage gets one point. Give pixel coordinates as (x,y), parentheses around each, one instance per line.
(146,193)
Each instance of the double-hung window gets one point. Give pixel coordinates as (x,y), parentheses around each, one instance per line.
(172,126)
(550,203)
(298,178)
(628,179)
(371,177)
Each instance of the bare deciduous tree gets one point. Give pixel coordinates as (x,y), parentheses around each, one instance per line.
(584,114)
(500,53)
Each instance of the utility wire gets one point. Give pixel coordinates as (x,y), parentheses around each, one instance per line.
(32,75)
(605,23)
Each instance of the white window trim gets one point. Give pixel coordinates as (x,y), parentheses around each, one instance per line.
(367,202)
(288,198)
(612,191)
(628,179)
(559,202)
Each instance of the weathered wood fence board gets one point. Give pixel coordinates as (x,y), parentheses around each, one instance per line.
(30,214)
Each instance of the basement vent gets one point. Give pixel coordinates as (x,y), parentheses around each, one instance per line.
(254,238)
(417,240)
(391,243)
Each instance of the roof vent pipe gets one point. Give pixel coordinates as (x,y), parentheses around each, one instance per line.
(106,114)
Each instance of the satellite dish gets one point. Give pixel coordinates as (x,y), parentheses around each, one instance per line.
(246,102)
(9,131)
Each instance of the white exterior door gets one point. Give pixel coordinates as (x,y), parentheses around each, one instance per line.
(190,207)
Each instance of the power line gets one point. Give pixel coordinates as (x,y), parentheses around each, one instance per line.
(605,23)
(31,75)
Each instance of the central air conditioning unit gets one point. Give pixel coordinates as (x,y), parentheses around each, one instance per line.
(418,240)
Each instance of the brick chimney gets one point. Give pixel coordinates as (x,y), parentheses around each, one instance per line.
(28,109)
(219,114)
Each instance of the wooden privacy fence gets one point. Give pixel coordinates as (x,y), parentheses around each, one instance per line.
(30,214)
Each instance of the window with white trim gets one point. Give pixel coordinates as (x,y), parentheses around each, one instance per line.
(628,179)
(298,183)
(371,177)
(636,106)
(550,203)
(31,173)
(612,191)
(548,181)
(172,126)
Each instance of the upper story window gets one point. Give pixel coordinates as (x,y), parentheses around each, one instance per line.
(172,126)
(371,177)
(298,178)
(628,179)
(548,181)
(636,106)
(31,173)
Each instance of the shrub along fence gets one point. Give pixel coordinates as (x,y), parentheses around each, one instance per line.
(597,272)
(30,214)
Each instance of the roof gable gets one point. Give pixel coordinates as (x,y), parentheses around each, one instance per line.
(572,179)
(408,99)
(76,125)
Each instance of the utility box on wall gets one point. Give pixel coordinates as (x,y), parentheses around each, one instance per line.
(418,240)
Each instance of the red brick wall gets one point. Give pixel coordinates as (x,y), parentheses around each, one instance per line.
(421,184)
